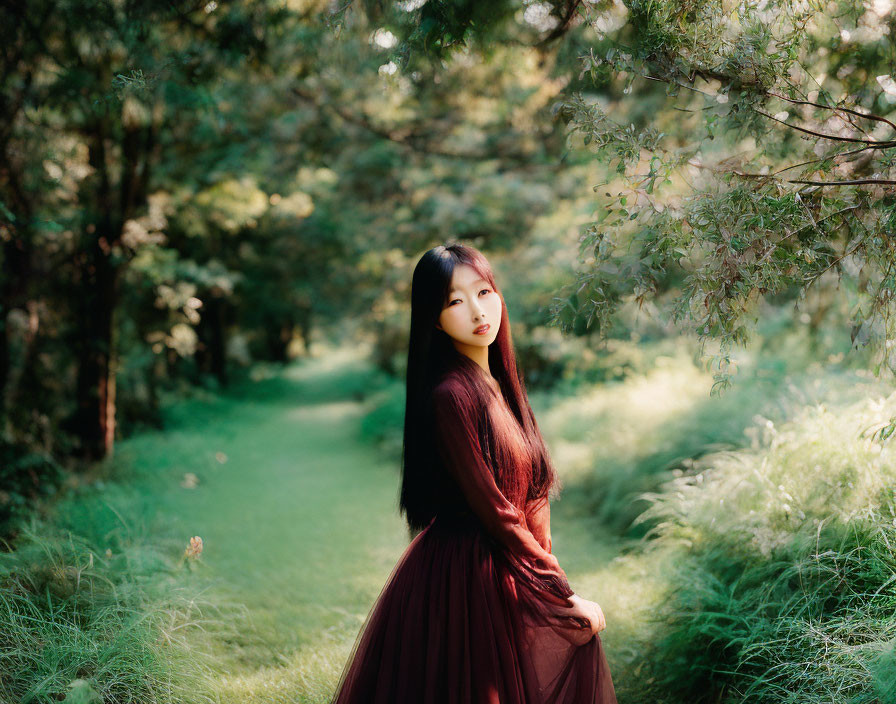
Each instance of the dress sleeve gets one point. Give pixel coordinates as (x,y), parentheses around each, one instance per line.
(538,518)
(456,414)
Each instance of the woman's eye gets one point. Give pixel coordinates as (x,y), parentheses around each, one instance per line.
(457,300)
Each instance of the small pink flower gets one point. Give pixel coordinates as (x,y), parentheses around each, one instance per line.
(195,547)
(190,481)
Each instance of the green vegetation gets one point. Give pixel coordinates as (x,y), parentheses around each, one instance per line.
(274,480)
(783,583)
(95,609)
(767,573)
(209,217)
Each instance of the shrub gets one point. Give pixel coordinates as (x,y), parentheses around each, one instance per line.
(26,476)
(785,584)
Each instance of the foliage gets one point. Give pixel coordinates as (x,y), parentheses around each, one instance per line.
(191,188)
(26,477)
(809,192)
(749,157)
(787,593)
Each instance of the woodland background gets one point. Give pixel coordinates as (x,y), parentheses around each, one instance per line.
(209,217)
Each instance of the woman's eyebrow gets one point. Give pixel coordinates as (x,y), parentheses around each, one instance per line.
(475,282)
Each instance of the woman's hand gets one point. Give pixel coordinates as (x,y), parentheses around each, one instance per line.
(593,612)
(588,610)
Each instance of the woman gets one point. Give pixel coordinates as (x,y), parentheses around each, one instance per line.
(477,609)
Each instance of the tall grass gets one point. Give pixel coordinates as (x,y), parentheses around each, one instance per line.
(87,623)
(783,585)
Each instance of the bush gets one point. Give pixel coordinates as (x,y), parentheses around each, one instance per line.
(785,582)
(383,421)
(26,476)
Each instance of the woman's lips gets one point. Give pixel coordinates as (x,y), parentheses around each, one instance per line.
(482,329)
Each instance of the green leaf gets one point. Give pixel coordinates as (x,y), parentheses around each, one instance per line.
(80,692)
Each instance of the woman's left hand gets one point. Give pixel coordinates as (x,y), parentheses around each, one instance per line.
(588,610)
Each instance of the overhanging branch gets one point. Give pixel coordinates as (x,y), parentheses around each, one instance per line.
(407,137)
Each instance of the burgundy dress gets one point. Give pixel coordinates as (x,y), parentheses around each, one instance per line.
(475,609)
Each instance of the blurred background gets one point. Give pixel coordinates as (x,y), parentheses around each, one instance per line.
(209,217)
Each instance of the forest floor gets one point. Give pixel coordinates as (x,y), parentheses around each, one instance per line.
(298,515)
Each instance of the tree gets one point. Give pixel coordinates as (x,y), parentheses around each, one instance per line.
(801,188)
(189,185)
(88,88)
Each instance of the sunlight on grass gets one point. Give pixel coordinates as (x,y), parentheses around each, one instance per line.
(613,442)
(306,675)
(783,570)
(614,418)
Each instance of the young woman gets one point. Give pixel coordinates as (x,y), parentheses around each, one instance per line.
(477,610)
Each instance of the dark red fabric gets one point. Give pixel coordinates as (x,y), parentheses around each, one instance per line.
(476,608)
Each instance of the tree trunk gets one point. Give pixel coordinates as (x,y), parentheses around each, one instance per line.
(94,418)
(304,326)
(102,267)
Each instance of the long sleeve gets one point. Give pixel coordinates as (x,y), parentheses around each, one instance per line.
(538,518)
(455,414)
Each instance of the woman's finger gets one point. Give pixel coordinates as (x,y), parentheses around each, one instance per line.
(597,618)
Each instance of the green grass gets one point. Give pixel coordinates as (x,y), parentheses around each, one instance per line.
(620,440)
(298,518)
(298,521)
(783,579)
(91,623)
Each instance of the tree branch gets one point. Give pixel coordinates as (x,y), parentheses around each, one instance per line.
(881,145)
(561,28)
(869,116)
(404,137)
(854,182)
(822,158)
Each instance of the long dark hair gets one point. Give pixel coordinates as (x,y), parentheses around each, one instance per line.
(432,356)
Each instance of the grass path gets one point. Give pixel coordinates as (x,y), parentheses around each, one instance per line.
(300,525)
(299,512)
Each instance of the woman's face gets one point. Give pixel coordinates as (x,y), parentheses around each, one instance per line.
(472,304)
